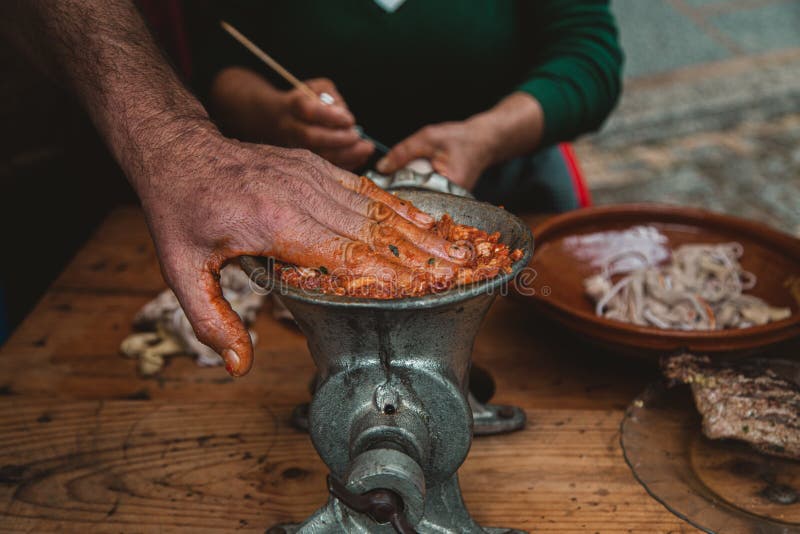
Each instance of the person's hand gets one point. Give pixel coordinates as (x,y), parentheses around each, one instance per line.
(209,199)
(326,129)
(459,151)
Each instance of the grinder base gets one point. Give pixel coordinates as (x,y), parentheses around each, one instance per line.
(294,528)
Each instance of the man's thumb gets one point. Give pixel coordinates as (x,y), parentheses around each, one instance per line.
(215,323)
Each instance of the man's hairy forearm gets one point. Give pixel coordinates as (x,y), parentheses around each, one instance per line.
(102,51)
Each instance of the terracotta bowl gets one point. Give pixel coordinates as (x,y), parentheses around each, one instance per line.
(555,283)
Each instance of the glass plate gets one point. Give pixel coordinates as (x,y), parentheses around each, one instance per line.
(718,486)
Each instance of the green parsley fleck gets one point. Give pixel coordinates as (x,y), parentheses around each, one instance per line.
(745,429)
(394,250)
(431,261)
(323,270)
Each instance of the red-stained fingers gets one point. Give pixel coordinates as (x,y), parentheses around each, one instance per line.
(329,251)
(362,196)
(213,320)
(429,241)
(377,225)
(405,209)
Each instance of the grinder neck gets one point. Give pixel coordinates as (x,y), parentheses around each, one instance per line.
(439,338)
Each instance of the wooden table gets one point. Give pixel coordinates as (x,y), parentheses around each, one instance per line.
(85,444)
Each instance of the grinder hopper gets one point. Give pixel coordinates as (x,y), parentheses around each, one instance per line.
(390,416)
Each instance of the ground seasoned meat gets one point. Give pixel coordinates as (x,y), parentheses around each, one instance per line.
(486,259)
(746,402)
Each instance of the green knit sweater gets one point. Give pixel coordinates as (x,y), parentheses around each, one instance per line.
(431,60)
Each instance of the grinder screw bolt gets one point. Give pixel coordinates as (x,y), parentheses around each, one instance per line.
(381,505)
(386,398)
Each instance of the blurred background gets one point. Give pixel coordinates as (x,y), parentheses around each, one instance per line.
(710,114)
(710,117)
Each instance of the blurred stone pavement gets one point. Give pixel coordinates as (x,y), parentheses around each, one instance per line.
(710,116)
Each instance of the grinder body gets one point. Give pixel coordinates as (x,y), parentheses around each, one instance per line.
(390,411)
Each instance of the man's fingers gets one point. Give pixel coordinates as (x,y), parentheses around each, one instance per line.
(327,249)
(378,227)
(419,145)
(367,187)
(388,242)
(352,211)
(313,111)
(213,320)
(429,241)
(423,247)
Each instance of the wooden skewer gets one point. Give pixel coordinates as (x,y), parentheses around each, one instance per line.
(292,79)
(263,56)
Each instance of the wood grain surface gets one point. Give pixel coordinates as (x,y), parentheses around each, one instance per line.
(87,445)
(132,466)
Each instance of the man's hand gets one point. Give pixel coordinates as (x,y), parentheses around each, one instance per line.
(252,109)
(211,199)
(461,151)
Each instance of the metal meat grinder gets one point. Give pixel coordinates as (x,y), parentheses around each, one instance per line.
(390,415)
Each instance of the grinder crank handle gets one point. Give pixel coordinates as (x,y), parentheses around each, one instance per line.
(381,505)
